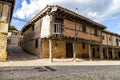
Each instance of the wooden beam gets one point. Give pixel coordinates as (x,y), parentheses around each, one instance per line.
(101,51)
(113,54)
(107,53)
(50,50)
(74,52)
(89,51)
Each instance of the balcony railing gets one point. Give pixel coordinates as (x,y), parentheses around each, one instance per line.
(57,29)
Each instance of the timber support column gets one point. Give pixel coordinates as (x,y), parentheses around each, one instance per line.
(89,49)
(50,51)
(107,53)
(113,54)
(74,52)
(101,51)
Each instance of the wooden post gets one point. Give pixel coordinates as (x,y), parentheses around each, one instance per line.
(107,53)
(89,49)
(113,54)
(50,50)
(74,52)
(101,51)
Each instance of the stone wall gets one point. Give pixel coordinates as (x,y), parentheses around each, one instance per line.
(3,44)
(59,48)
(30,36)
(80,52)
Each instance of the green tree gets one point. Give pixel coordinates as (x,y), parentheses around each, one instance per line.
(12,27)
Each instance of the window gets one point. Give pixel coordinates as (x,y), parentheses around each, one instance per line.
(117,42)
(36,43)
(83,46)
(57,28)
(95,32)
(83,28)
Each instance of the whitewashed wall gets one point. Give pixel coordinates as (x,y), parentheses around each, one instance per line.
(45,28)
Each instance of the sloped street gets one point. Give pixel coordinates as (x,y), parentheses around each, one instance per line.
(15,53)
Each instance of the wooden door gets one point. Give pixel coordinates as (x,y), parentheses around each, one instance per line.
(69,50)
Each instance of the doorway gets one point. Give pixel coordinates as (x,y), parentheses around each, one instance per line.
(69,50)
(93,53)
(110,54)
(119,55)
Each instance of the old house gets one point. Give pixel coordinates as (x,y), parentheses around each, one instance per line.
(107,41)
(116,46)
(111,45)
(57,32)
(6,10)
(13,37)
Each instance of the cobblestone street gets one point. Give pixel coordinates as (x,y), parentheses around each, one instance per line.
(60,73)
(23,66)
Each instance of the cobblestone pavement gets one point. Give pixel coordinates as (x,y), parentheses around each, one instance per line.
(23,66)
(60,73)
(15,53)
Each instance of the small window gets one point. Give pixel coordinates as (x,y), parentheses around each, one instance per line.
(83,28)
(83,46)
(36,43)
(95,32)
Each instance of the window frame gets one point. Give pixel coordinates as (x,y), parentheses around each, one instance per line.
(95,32)
(83,28)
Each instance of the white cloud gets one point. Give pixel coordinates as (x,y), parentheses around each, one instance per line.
(119,25)
(94,9)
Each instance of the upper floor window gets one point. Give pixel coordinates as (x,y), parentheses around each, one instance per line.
(117,42)
(83,28)
(57,28)
(95,32)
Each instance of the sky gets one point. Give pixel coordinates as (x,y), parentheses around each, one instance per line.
(106,12)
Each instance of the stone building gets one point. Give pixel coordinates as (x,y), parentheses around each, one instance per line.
(57,32)
(111,45)
(14,37)
(6,10)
